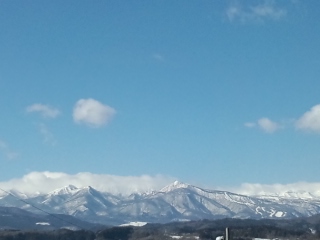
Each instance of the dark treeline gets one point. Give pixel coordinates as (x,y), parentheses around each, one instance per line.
(205,229)
(62,234)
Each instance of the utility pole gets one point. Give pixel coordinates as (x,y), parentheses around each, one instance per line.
(227,233)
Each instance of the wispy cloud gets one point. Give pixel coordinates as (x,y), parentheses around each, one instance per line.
(44,182)
(310,121)
(250,124)
(7,151)
(92,113)
(44,110)
(158,57)
(264,124)
(48,137)
(260,11)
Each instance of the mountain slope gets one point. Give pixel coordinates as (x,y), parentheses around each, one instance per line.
(16,218)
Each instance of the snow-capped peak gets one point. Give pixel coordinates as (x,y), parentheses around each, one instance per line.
(91,190)
(174,185)
(65,190)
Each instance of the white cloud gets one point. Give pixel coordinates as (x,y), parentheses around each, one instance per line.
(44,182)
(310,120)
(44,110)
(263,10)
(6,151)
(301,188)
(92,112)
(265,124)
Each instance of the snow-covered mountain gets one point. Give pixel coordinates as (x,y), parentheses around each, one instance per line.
(175,202)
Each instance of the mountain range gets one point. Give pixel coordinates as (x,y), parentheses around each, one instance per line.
(175,202)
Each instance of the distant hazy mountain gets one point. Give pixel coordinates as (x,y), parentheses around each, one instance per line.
(175,202)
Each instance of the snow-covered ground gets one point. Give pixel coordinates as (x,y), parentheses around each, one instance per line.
(43,223)
(135,224)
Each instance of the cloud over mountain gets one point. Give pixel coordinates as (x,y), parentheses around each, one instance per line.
(43,182)
(252,189)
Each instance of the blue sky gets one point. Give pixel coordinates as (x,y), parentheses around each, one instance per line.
(215,93)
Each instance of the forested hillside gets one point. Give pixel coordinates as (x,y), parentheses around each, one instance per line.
(303,228)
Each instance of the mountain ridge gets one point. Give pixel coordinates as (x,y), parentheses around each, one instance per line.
(176,201)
